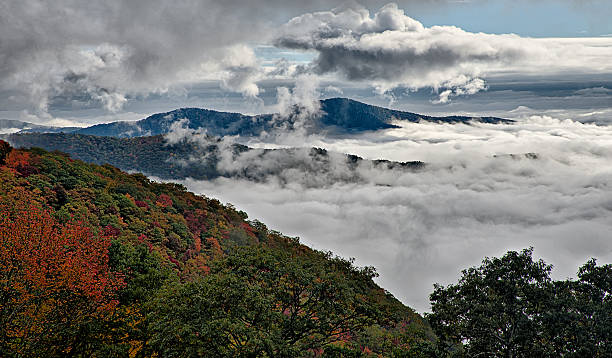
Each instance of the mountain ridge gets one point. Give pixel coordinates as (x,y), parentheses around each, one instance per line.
(154,156)
(337,116)
(153,249)
(27,127)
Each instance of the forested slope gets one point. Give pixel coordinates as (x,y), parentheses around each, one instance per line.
(156,156)
(97,262)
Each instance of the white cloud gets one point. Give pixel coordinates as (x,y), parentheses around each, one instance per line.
(390,49)
(89,54)
(472,200)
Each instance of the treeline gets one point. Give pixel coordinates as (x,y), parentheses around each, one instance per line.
(150,155)
(199,160)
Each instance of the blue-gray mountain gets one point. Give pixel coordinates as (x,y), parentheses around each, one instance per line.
(141,146)
(337,116)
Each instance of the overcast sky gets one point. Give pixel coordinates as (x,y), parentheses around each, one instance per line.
(545,63)
(70,62)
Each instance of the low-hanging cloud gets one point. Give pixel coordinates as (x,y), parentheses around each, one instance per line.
(292,166)
(472,199)
(390,49)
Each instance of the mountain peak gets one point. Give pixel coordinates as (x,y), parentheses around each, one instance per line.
(339,116)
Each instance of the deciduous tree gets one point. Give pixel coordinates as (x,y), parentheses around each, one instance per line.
(54,281)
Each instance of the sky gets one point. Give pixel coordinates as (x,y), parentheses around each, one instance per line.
(544,63)
(72,63)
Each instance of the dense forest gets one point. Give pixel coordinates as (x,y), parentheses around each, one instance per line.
(97,262)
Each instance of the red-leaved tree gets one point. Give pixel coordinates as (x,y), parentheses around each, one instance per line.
(54,281)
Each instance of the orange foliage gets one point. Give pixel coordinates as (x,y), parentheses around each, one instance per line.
(21,162)
(215,247)
(51,276)
(16,158)
(195,268)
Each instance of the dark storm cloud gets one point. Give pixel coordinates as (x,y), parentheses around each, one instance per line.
(106,50)
(102,53)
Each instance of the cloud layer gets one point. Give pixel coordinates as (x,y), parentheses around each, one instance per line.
(472,200)
(90,54)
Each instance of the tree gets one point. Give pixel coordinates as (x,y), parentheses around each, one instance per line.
(5,149)
(497,309)
(264,302)
(595,301)
(580,322)
(54,282)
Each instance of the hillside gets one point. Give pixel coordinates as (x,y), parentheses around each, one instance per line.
(338,116)
(97,262)
(154,156)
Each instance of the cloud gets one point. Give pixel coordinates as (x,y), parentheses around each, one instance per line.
(390,49)
(102,54)
(471,200)
(70,55)
(87,54)
(304,95)
(284,166)
(242,71)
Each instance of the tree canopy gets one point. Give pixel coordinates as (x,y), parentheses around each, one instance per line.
(510,307)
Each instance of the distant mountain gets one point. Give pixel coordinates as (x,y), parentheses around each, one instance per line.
(12,126)
(215,123)
(338,116)
(153,156)
(356,116)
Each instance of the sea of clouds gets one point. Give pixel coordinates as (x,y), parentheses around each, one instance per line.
(486,189)
(418,227)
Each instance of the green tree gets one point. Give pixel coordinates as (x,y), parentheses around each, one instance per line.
(580,322)
(497,309)
(264,302)
(596,301)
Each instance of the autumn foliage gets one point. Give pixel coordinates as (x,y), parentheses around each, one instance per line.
(53,278)
(90,256)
